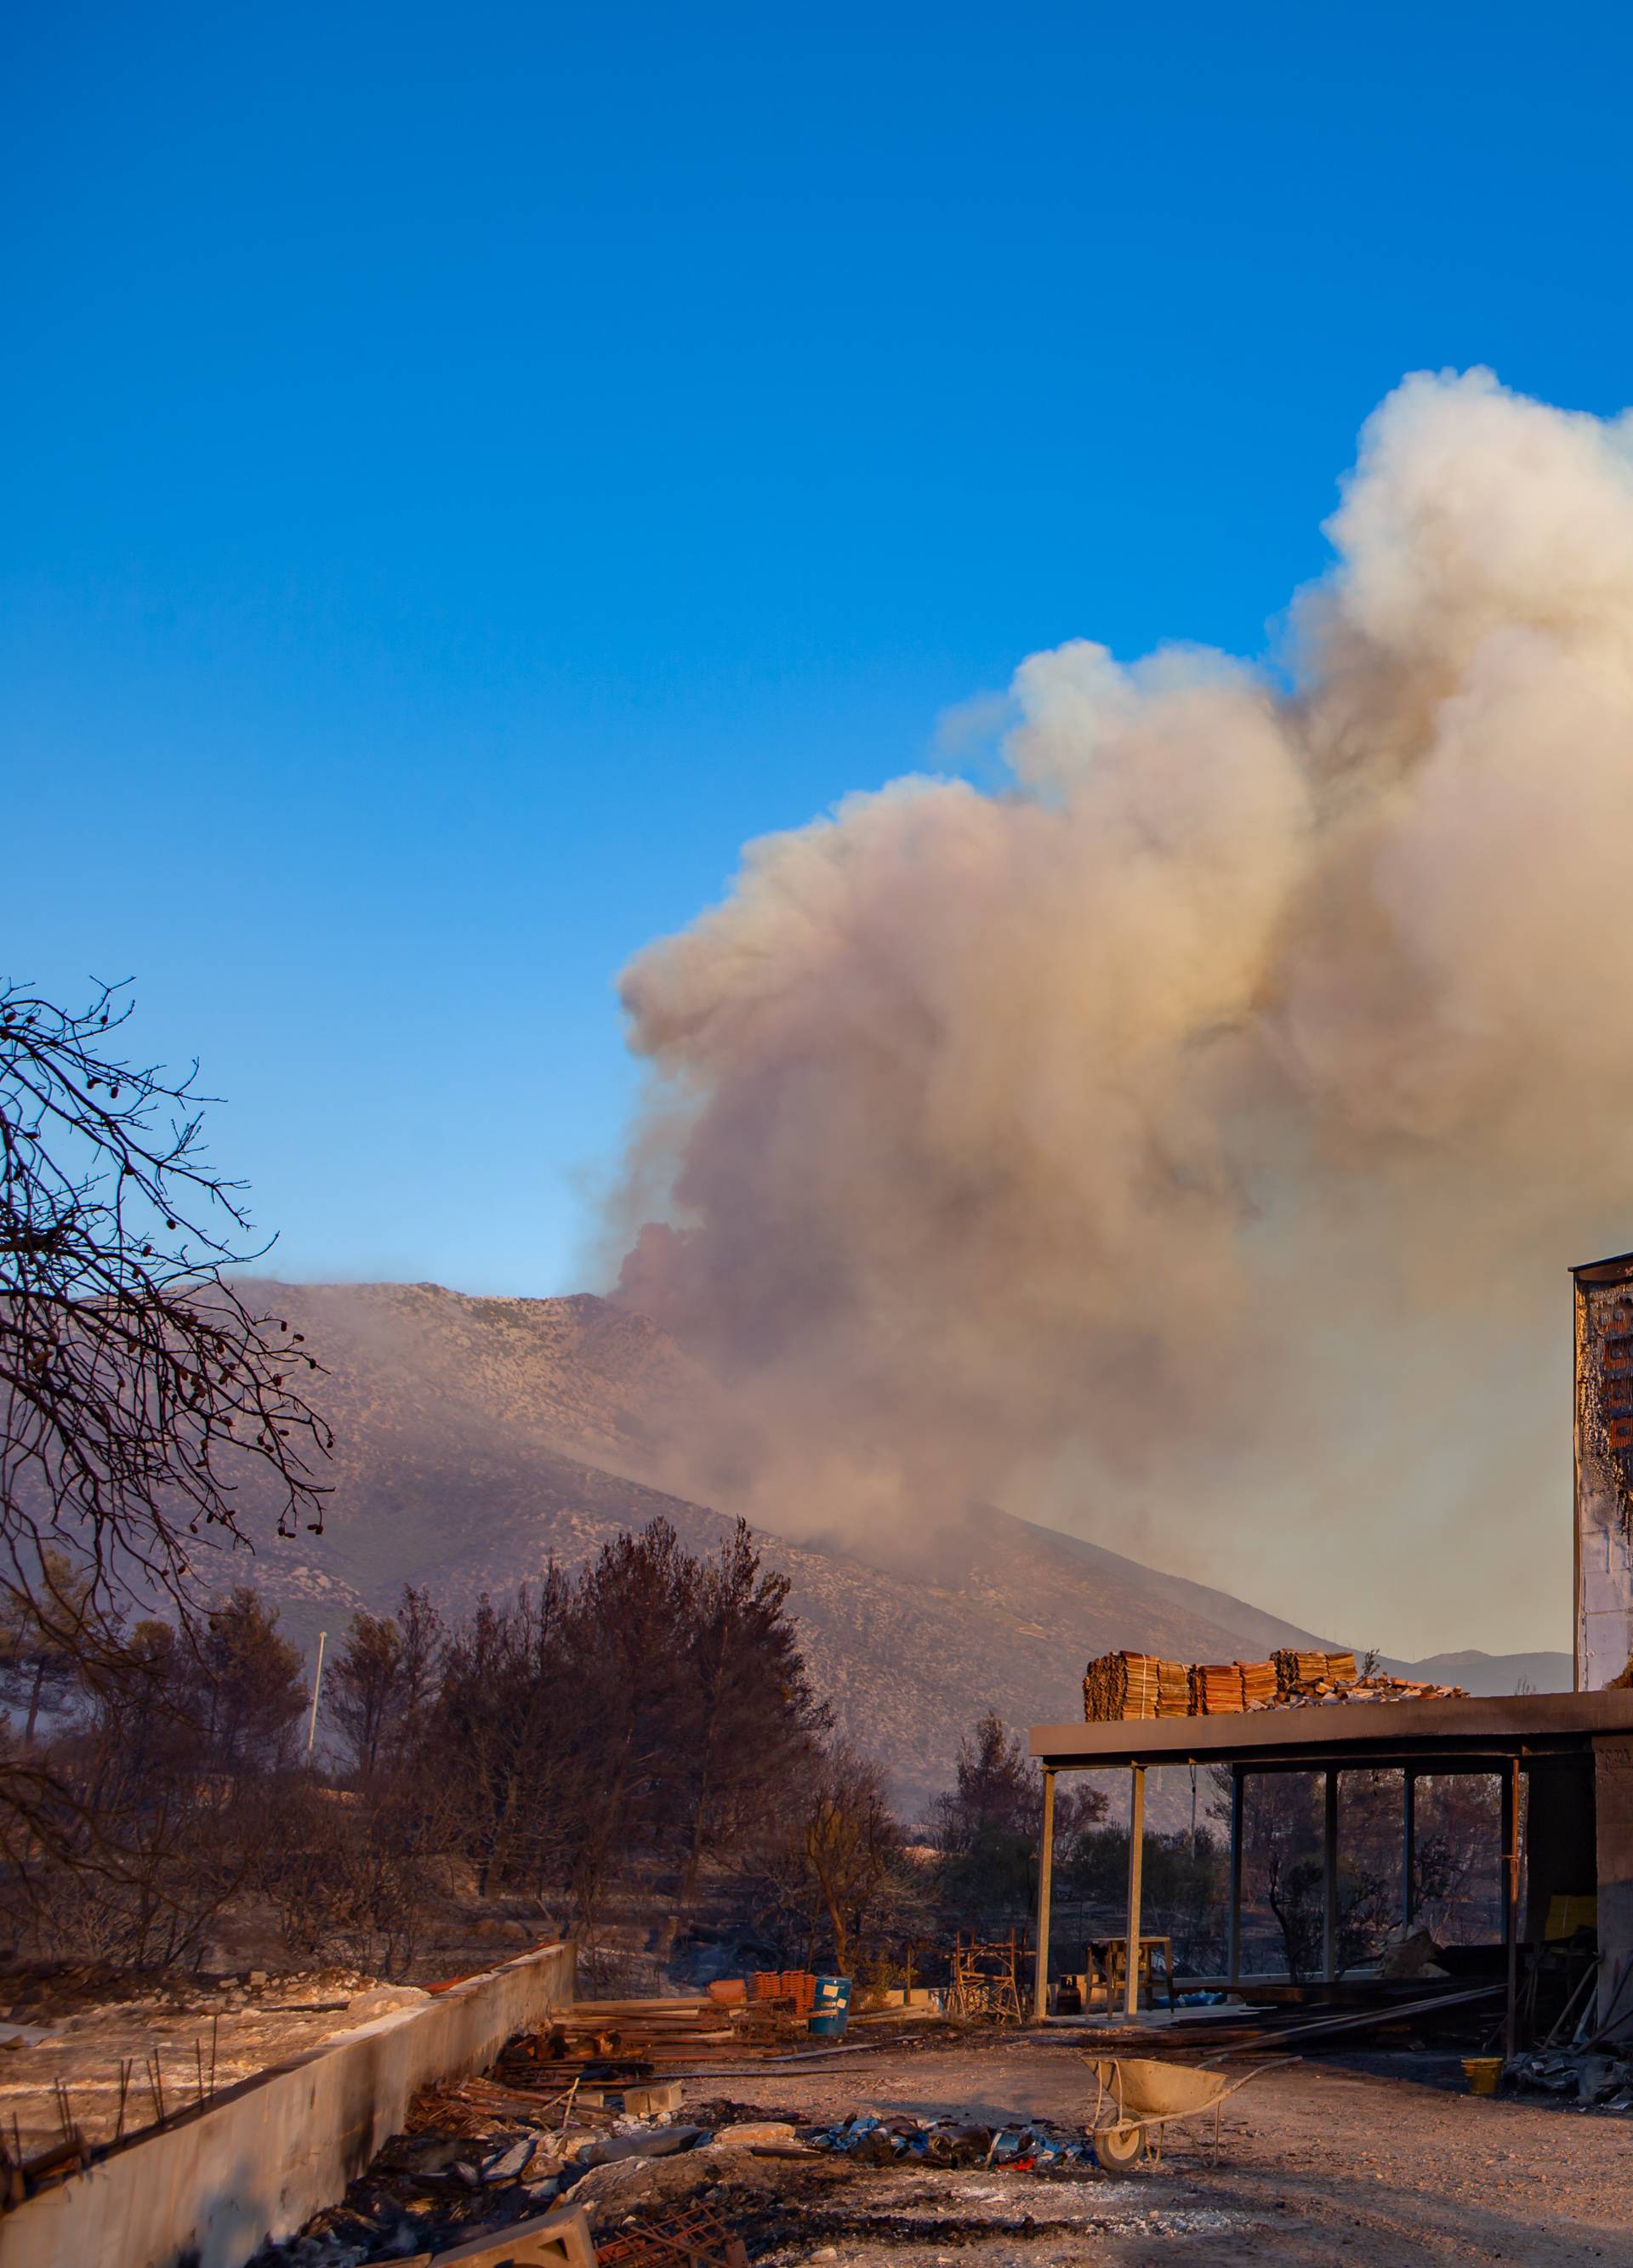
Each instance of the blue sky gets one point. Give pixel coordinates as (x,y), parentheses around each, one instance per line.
(470,469)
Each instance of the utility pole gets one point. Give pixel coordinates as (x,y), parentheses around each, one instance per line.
(317,1680)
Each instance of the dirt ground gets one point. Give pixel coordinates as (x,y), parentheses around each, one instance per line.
(1392,2164)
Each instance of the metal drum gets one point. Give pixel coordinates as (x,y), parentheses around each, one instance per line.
(831,2007)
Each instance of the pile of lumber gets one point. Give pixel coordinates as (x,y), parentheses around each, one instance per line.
(632,2039)
(1143,1685)
(1259,1684)
(628,2036)
(1121,1685)
(1324,1692)
(1299,1671)
(1216,1688)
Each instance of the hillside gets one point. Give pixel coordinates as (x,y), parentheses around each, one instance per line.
(478,1438)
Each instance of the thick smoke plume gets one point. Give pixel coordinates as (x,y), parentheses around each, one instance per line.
(1188,1141)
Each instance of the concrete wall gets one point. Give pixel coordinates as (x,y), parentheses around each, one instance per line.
(265,2156)
(1613,1803)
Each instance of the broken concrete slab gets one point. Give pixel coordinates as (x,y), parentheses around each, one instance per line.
(648,2101)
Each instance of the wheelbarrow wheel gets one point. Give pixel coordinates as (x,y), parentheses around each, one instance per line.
(1119,2149)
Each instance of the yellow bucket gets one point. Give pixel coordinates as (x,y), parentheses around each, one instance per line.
(1482,2073)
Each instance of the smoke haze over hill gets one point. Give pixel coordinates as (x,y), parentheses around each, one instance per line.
(1186,1141)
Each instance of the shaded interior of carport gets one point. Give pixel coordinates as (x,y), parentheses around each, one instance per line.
(1564,1763)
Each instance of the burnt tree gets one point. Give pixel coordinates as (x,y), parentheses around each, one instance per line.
(142,1402)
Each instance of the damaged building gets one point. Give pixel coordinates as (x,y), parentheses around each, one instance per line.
(1562,1762)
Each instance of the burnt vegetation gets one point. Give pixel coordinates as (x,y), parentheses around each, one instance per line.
(145,1409)
(632,1752)
(140,1399)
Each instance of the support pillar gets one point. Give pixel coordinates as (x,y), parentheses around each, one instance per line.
(1329,1877)
(1408,1846)
(1236,1876)
(1046,1879)
(1136,1875)
(1510,1902)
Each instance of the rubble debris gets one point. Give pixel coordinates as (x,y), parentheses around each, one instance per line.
(482,2164)
(1599,2080)
(1124,1686)
(1038,2147)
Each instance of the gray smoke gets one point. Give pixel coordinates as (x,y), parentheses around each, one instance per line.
(1186,1142)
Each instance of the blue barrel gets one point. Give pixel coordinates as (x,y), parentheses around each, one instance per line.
(830,2006)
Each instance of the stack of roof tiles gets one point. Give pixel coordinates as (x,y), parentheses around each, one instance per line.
(1144,1685)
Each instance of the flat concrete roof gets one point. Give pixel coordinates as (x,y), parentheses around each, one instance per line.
(1356,1732)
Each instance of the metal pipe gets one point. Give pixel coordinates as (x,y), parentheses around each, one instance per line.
(1235,1962)
(1329,1877)
(1136,1870)
(1045,1875)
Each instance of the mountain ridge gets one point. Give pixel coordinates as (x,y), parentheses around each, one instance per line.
(478,1440)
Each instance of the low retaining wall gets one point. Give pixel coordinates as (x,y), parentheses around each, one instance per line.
(261,2157)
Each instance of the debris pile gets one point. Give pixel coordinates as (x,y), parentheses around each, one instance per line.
(1377,1687)
(1039,2147)
(1595,2081)
(483,2168)
(479,2157)
(1143,1685)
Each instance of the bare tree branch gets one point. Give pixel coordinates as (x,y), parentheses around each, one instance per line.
(141,1400)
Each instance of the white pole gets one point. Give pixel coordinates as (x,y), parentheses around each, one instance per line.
(317,1680)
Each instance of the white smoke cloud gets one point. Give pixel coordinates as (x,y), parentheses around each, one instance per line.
(1187,1142)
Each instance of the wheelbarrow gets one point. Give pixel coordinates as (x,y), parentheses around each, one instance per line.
(1137,2096)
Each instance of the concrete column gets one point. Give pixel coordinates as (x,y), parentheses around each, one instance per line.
(1613,1811)
(1408,1844)
(1511,1900)
(1046,1879)
(1329,1877)
(1136,1875)
(1235,1964)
